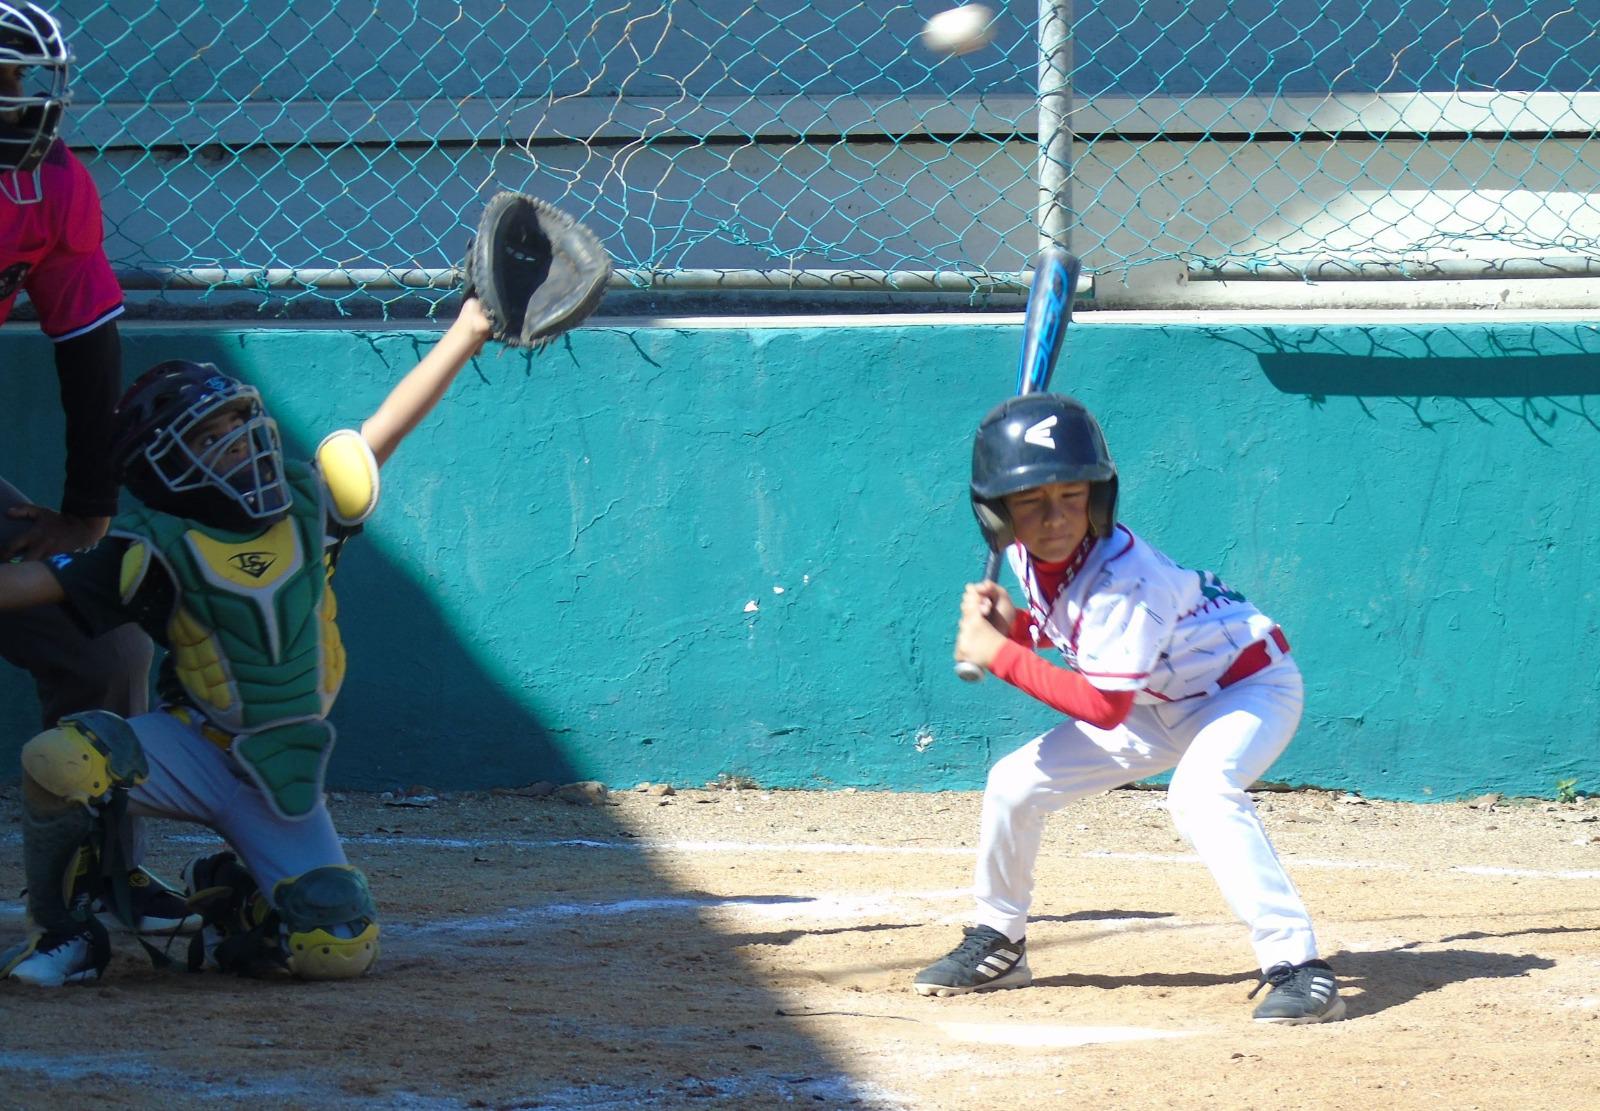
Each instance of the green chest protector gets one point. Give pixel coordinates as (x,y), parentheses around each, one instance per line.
(252,635)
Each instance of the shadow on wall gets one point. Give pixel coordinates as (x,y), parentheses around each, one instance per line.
(1536,374)
(446,720)
(413,669)
(461,725)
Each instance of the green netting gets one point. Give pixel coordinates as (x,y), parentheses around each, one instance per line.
(340,149)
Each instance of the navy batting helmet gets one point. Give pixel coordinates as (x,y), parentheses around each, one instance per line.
(1033,440)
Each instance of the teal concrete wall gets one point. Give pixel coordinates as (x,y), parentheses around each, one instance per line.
(672,554)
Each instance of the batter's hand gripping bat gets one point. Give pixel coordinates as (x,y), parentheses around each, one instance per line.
(1055,278)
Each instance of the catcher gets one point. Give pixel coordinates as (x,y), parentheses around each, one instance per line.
(227,564)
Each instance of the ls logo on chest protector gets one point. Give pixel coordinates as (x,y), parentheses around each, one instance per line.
(254,564)
(1039,434)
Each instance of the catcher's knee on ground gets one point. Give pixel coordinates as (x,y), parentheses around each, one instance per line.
(330,923)
(67,773)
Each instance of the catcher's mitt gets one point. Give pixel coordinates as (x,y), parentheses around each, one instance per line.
(536,271)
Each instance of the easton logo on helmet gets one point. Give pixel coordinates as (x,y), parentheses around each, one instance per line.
(1039,434)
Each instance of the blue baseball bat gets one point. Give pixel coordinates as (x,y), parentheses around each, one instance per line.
(1055,279)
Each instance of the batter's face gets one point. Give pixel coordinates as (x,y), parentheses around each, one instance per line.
(1050,520)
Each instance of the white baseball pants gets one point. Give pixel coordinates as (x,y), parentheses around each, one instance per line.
(1218,746)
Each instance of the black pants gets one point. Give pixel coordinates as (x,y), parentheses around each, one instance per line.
(70,670)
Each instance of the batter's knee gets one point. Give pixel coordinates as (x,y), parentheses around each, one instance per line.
(1012,784)
(82,759)
(330,923)
(1193,799)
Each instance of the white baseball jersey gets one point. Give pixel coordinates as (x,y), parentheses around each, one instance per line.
(1132,619)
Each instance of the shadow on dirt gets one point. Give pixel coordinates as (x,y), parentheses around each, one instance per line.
(1374,982)
(478,1000)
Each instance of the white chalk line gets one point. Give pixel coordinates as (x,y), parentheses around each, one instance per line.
(75,1068)
(831,848)
(827,848)
(1036,1036)
(769,908)
(835,1089)
(765,1090)
(1525,873)
(728,911)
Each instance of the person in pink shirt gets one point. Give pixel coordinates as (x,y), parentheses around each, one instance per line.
(52,249)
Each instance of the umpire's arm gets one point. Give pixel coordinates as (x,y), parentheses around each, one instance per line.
(89,367)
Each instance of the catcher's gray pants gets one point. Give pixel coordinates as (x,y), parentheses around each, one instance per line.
(191,779)
(1216,746)
(71,671)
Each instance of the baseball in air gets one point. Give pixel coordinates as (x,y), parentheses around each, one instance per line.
(959,30)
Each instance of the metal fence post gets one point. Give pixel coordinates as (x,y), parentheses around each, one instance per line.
(1055,129)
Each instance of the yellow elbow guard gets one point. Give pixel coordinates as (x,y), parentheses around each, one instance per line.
(350,471)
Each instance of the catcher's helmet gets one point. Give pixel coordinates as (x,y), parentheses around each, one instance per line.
(1033,440)
(234,481)
(30,112)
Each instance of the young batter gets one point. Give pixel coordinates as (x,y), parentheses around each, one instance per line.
(228,564)
(1169,669)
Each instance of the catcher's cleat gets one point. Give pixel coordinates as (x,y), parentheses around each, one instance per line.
(241,932)
(1300,994)
(158,909)
(985,961)
(58,957)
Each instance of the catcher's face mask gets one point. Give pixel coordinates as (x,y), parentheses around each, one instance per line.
(224,443)
(33,86)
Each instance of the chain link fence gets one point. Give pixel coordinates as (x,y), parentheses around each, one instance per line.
(338,151)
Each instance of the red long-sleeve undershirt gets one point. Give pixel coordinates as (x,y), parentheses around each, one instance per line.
(1057,687)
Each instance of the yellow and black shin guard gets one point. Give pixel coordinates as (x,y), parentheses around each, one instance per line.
(75,778)
(330,923)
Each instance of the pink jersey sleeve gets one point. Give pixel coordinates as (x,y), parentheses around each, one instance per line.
(72,285)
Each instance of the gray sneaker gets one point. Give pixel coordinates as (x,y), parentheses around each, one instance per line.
(1300,994)
(985,961)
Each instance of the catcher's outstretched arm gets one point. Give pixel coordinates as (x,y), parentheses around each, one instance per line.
(415,395)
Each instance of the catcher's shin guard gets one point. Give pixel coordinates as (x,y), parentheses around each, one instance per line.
(75,781)
(330,923)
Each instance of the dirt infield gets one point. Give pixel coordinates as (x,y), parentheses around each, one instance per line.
(743,948)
